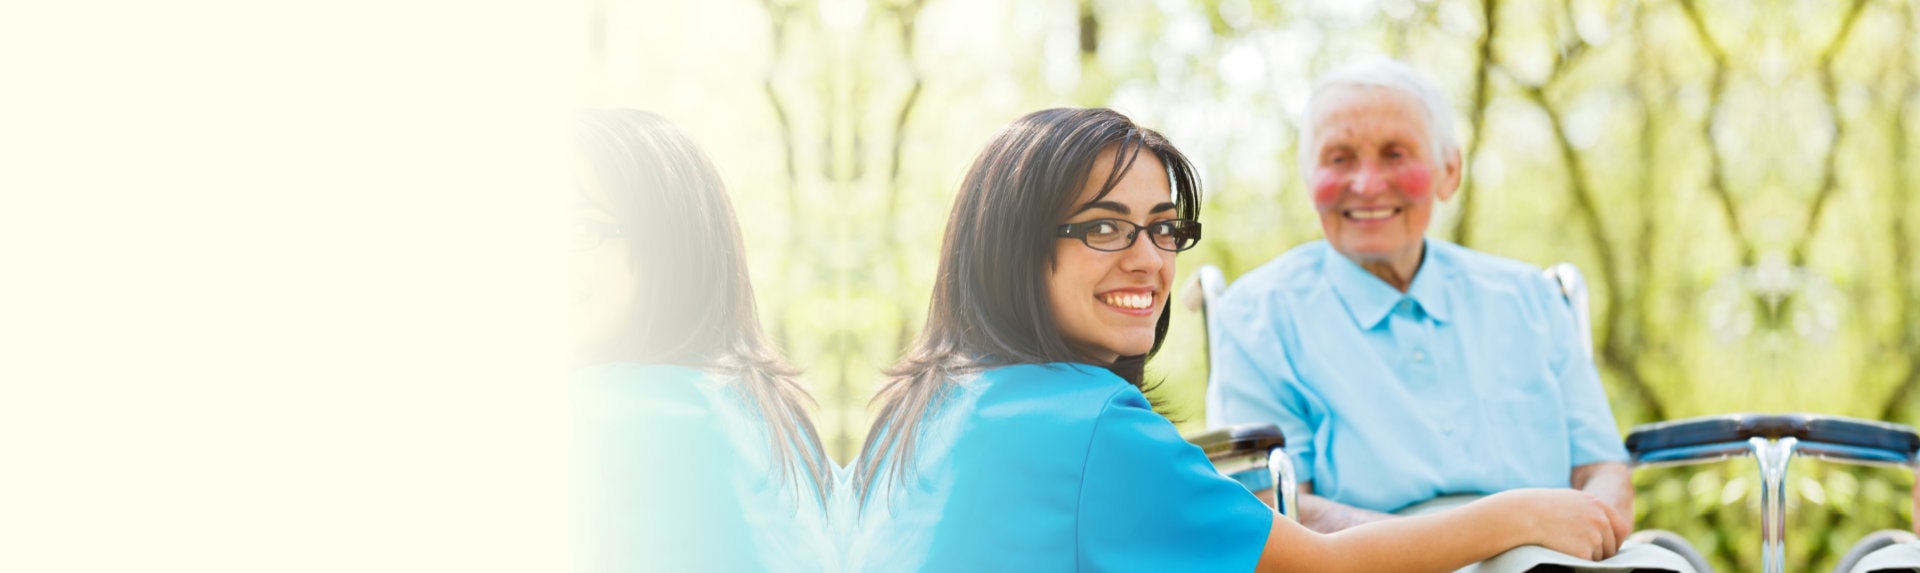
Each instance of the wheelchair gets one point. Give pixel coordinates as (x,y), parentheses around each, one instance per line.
(1773,440)
(1252,454)
(1886,551)
(1243,451)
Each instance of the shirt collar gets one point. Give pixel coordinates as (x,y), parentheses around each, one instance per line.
(1369,299)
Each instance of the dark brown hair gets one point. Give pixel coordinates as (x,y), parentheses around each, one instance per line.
(697,309)
(990,305)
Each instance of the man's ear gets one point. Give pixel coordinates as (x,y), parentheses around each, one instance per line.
(1450,171)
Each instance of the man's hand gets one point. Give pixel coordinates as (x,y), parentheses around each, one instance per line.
(1571,522)
(1612,482)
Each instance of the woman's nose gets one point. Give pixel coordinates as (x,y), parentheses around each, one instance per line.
(1142,255)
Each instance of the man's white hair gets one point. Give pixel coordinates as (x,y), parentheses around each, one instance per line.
(1390,74)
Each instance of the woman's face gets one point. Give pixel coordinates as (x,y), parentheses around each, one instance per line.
(1106,304)
(606,284)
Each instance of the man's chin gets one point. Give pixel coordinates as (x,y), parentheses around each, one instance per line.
(1369,250)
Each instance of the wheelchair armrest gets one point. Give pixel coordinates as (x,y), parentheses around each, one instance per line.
(1239,439)
(1252,455)
(1717,437)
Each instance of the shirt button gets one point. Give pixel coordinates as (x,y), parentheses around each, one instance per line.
(1419,356)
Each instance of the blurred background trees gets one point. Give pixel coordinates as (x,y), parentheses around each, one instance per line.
(1734,177)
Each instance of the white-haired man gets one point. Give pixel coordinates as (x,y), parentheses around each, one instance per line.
(1404,369)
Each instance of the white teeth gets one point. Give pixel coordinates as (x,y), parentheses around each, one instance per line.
(1371,214)
(1132,301)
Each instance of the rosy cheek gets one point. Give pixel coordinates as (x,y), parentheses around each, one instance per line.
(1415,180)
(1327,186)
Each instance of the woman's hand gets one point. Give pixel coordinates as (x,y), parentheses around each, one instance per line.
(1565,520)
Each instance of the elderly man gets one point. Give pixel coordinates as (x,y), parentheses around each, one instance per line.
(1404,369)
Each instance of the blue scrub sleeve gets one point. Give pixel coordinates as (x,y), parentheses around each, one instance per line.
(1150,501)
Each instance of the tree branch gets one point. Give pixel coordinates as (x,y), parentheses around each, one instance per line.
(777,16)
(1903,241)
(1830,181)
(1613,349)
(1462,229)
(1716,179)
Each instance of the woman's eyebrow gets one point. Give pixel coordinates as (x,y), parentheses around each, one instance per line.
(1120,208)
(1108,205)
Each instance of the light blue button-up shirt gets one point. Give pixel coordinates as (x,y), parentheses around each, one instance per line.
(1473,381)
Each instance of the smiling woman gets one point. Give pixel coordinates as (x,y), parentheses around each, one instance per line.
(1049,301)
(1129,277)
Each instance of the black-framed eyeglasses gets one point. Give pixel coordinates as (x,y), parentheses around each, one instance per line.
(587,233)
(1112,235)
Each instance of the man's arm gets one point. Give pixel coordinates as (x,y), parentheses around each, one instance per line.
(1328,516)
(1593,435)
(1612,482)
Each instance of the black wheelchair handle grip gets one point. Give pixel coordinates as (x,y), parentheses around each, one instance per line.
(1732,428)
(1239,438)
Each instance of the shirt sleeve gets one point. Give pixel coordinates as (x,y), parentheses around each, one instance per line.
(1150,501)
(1590,426)
(1251,378)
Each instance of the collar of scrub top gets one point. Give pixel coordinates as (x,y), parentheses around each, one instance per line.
(1369,299)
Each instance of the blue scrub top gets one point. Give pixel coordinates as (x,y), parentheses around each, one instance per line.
(1473,381)
(1056,467)
(679,478)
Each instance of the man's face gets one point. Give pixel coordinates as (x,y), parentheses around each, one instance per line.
(1374,178)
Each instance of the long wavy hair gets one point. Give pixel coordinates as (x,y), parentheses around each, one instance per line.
(697,309)
(990,305)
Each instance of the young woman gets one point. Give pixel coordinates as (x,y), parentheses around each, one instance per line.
(701,455)
(1015,435)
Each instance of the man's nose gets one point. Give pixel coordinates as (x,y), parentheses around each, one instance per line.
(1369,180)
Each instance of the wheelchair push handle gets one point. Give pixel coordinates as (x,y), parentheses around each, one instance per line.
(1207,285)
(1239,439)
(1254,455)
(1720,436)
